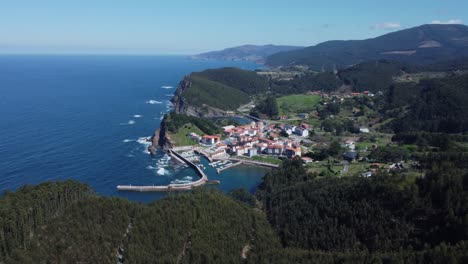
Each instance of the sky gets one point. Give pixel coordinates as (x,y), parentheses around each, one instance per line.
(193,26)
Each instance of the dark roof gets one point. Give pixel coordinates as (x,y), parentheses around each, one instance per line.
(350,155)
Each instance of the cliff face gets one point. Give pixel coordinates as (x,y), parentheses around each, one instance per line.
(161,138)
(183,107)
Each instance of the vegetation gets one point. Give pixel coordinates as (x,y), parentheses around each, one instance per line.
(268,107)
(359,219)
(205,92)
(24,212)
(248,82)
(61,222)
(175,122)
(298,103)
(340,54)
(204,227)
(225,88)
(323,81)
(201,227)
(441,106)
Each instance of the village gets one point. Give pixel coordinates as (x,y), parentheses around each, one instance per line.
(292,135)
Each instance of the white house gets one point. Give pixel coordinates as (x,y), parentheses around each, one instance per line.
(364,130)
(301,131)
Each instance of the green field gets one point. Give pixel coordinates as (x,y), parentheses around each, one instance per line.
(298,103)
(181,139)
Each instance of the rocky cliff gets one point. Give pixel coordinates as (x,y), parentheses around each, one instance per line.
(161,138)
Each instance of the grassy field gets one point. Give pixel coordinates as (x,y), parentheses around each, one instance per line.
(181,139)
(298,103)
(266,159)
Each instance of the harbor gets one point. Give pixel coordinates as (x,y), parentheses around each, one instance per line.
(208,171)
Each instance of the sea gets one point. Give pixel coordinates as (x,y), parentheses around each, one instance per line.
(86,117)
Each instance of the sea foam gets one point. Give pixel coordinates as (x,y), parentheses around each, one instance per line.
(153,102)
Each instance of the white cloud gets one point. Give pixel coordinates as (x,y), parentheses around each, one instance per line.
(388,25)
(451,21)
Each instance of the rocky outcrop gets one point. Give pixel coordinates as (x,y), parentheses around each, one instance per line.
(161,138)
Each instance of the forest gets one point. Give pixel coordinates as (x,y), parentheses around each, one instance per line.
(384,216)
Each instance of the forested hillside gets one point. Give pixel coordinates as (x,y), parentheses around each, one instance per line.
(203,227)
(225,88)
(440,105)
(247,81)
(387,216)
(425,44)
(66,223)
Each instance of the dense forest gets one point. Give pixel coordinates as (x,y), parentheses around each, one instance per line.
(295,217)
(387,216)
(441,106)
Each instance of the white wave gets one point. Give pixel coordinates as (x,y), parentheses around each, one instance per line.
(144,141)
(131,122)
(150,167)
(127,140)
(187,179)
(167,87)
(153,102)
(137,116)
(169,95)
(161,171)
(161,118)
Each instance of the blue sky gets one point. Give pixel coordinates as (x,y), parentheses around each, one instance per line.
(192,26)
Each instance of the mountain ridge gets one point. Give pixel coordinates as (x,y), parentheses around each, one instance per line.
(254,53)
(424,44)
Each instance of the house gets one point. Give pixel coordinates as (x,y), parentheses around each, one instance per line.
(367,174)
(288,129)
(194,136)
(350,155)
(307,160)
(283,117)
(303,115)
(228,127)
(291,152)
(240,151)
(300,131)
(210,140)
(274,136)
(364,130)
(261,147)
(251,152)
(274,150)
(350,144)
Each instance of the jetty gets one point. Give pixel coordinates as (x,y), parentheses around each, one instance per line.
(172,187)
(228,166)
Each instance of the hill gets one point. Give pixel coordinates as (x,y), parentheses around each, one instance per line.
(438,105)
(212,92)
(253,53)
(419,45)
(65,223)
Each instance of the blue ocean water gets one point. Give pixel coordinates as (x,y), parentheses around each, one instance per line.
(82,117)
